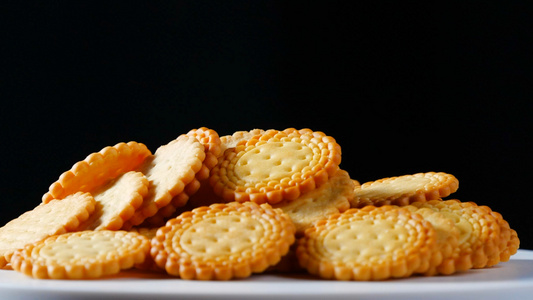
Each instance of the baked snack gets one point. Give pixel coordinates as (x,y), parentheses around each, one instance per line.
(370,243)
(406,189)
(168,171)
(97,169)
(479,234)
(276,165)
(81,255)
(46,219)
(223,241)
(330,198)
(116,201)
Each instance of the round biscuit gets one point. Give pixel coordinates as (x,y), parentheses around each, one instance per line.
(276,166)
(116,201)
(447,239)
(479,234)
(169,170)
(81,255)
(46,219)
(211,141)
(406,189)
(370,243)
(330,198)
(97,169)
(223,241)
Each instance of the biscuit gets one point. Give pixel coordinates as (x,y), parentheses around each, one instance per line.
(211,141)
(54,217)
(447,239)
(168,171)
(223,241)
(330,198)
(231,141)
(403,190)
(97,169)
(148,232)
(81,255)
(116,201)
(509,241)
(479,234)
(275,166)
(370,243)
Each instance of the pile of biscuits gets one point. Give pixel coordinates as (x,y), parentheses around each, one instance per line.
(212,207)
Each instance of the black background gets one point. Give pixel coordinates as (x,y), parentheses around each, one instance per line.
(404,87)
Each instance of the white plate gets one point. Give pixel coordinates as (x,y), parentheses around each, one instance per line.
(509,280)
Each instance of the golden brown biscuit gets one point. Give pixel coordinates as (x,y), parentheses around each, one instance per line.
(54,217)
(231,141)
(211,141)
(330,198)
(447,238)
(276,165)
(371,243)
(97,169)
(116,201)
(169,170)
(81,255)
(479,234)
(223,241)
(403,190)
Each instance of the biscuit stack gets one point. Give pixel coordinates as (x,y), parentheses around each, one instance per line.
(215,208)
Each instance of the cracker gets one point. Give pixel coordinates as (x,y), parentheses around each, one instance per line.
(479,233)
(223,241)
(275,166)
(406,189)
(330,198)
(211,141)
(54,217)
(509,241)
(168,171)
(447,239)
(81,255)
(148,232)
(371,243)
(97,169)
(116,201)
(231,141)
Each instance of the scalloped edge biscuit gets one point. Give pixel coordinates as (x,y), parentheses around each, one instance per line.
(117,201)
(276,166)
(98,254)
(406,189)
(328,199)
(97,169)
(211,141)
(169,170)
(447,238)
(231,141)
(223,241)
(46,219)
(479,237)
(369,243)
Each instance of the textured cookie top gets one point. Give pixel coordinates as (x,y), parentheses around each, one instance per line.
(276,165)
(97,169)
(479,232)
(54,217)
(168,170)
(330,198)
(231,141)
(82,254)
(223,241)
(402,190)
(368,244)
(116,201)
